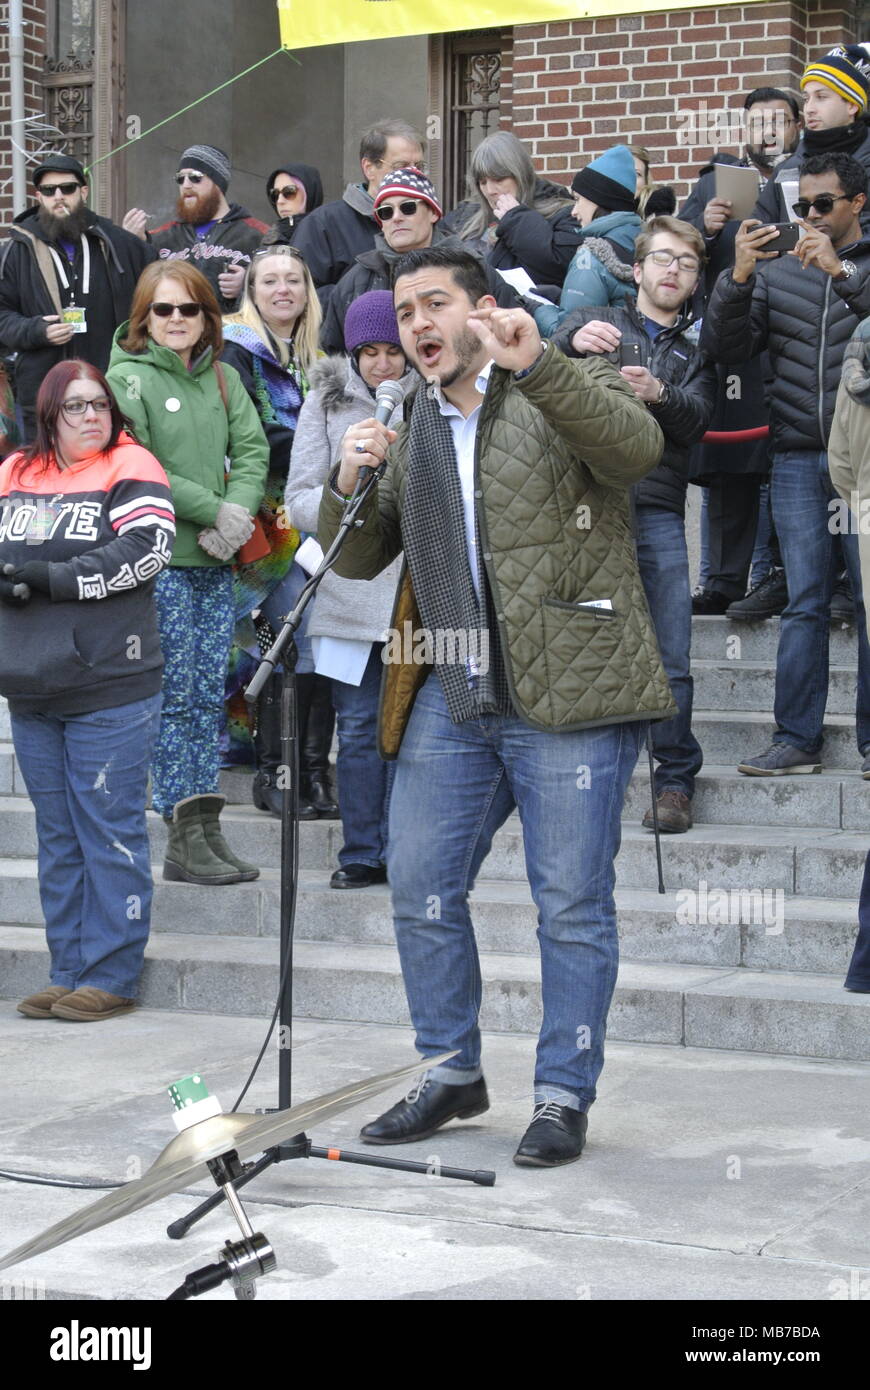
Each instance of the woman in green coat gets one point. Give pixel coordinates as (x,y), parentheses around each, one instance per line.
(196,417)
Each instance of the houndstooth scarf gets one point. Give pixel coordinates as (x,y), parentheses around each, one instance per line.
(469,661)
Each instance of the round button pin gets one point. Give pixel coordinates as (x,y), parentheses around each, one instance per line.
(173,404)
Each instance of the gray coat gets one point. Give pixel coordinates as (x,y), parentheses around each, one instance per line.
(339,398)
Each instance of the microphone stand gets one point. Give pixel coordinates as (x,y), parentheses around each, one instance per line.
(284,652)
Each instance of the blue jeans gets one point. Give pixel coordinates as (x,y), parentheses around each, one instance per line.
(455,785)
(763,556)
(281,601)
(87,776)
(858,974)
(364,779)
(664,568)
(800,490)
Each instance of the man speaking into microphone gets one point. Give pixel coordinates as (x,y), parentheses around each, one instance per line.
(507,488)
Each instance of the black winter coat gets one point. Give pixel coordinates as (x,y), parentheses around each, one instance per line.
(542,246)
(372,272)
(331,237)
(805,319)
(683,417)
(742,393)
(30,288)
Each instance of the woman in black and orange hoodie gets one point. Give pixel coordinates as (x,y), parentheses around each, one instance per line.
(86,524)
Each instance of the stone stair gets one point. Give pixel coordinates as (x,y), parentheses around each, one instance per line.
(762,973)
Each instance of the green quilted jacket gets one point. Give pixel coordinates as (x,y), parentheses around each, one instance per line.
(558,452)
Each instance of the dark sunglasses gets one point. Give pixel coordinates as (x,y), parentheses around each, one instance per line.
(823,204)
(406,209)
(288,192)
(187,311)
(191,178)
(48,190)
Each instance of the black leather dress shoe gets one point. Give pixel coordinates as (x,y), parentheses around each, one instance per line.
(424,1109)
(556,1135)
(357,876)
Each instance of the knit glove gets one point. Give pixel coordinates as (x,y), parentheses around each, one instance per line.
(213,543)
(34,574)
(12,592)
(234,523)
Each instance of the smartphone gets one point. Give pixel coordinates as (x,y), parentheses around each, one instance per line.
(630,355)
(789,235)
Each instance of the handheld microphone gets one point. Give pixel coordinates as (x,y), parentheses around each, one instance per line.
(388,396)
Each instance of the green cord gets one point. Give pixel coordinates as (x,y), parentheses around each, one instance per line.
(259,63)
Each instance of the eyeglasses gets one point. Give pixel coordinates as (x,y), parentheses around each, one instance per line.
(101,405)
(406,209)
(48,190)
(280,251)
(690,264)
(187,311)
(190,178)
(823,204)
(289,192)
(395,165)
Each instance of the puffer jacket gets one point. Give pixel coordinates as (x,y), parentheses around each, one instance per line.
(557,452)
(686,413)
(601,271)
(178,414)
(339,398)
(805,319)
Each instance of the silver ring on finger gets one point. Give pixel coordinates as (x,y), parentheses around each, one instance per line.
(361,447)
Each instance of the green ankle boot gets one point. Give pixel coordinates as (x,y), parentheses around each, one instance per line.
(210,810)
(189,856)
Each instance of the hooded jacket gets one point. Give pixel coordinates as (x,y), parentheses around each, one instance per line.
(600,272)
(30,288)
(334,235)
(281,232)
(805,319)
(179,415)
(691,397)
(557,451)
(339,398)
(231,242)
(373,271)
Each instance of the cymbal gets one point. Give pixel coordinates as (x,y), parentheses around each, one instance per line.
(184,1159)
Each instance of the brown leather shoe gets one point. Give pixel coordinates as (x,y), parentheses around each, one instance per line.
(39,1005)
(89,1005)
(675,812)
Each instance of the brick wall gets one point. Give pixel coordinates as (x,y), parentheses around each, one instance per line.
(665,80)
(35,40)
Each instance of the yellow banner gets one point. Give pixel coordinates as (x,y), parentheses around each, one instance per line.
(305,24)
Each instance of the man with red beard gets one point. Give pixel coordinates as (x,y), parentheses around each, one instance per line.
(218,237)
(66,280)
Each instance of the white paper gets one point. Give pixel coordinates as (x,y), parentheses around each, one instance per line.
(341,658)
(309,555)
(521,281)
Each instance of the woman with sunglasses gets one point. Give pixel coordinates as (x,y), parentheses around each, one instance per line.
(195,415)
(86,525)
(272,343)
(293,191)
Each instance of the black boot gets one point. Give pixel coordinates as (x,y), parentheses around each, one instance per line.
(315,744)
(266,789)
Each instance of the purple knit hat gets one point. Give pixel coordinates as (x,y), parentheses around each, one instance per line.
(371,319)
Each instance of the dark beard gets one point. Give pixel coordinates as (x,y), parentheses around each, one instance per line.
(205,209)
(466,346)
(67,228)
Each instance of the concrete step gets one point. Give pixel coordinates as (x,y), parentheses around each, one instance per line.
(729,738)
(835,799)
(721,639)
(772,932)
(732,686)
(793,859)
(694,1006)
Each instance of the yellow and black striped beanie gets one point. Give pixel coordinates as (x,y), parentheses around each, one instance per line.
(846,70)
